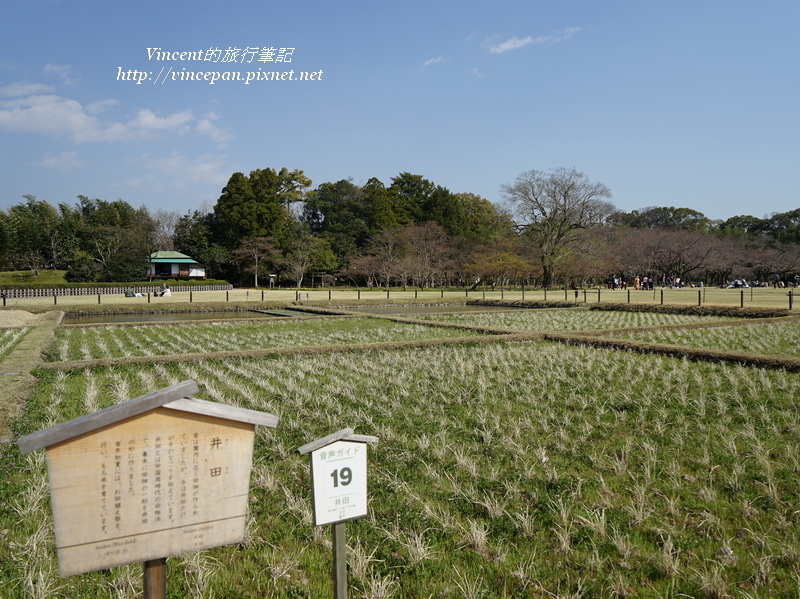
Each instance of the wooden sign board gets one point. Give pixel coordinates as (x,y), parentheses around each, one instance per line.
(168,480)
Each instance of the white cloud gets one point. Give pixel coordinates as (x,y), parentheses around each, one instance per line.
(207,127)
(182,169)
(147,120)
(101,106)
(54,115)
(64,162)
(515,43)
(23,88)
(64,72)
(431,61)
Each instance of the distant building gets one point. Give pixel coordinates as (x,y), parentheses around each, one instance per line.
(174,265)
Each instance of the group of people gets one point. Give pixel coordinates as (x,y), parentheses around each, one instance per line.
(643,283)
(163,291)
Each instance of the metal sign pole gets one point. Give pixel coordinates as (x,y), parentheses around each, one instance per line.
(339,489)
(339,561)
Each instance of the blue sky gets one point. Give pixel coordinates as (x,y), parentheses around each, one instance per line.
(680,103)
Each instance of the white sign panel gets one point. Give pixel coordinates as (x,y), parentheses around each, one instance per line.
(339,476)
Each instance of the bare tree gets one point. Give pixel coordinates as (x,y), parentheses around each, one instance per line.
(166,222)
(426,252)
(554,208)
(255,254)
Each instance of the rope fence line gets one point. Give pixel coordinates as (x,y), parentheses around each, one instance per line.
(767,297)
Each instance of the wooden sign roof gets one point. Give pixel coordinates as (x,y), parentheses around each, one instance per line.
(175,397)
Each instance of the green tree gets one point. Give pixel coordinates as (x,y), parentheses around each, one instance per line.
(36,234)
(744,226)
(258,205)
(379,206)
(119,238)
(785,226)
(482,219)
(338,213)
(410,193)
(663,217)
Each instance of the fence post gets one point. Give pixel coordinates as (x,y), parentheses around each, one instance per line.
(566,299)
(699,297)
(501,293)
(790,299)
(262,295)
(55,299)
(359,294)
(148,297)
(741,299)
(523,293)
(329,294)
(415,294)
(98,298)
(629,296)
(662,297)
(227,296)
(387,293)
(598,295)
(545,294)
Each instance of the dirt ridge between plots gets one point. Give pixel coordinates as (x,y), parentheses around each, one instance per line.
(678,351)
(24,358)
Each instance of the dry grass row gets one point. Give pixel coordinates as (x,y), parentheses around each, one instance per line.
(307,350)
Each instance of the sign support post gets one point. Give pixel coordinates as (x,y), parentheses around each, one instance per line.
(155,578)
(339,484)
(339,560)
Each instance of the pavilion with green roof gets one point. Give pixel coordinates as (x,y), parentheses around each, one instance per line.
(174,265)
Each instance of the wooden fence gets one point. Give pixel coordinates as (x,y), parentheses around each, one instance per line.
(14,293)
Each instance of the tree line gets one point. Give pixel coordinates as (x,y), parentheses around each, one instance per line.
(555,228)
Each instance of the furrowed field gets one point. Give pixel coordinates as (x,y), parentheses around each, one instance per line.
(503,469)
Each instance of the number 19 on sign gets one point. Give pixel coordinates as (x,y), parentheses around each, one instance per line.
(342,477)
(339,473)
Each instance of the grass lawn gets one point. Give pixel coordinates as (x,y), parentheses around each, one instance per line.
(29,277)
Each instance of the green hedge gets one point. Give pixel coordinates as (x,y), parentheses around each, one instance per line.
(696,310)
(524,304)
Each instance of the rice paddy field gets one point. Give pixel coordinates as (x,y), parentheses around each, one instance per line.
(770,338)
(508,469)
(568,320)
(86,343)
